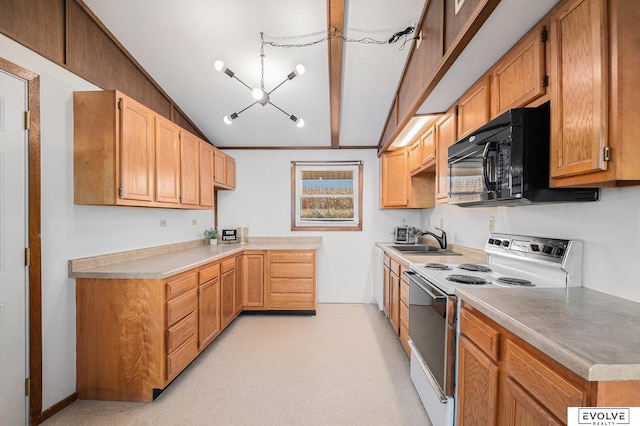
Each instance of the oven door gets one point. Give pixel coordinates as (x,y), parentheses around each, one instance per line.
(432,330)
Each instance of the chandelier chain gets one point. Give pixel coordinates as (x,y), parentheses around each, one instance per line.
(262,60)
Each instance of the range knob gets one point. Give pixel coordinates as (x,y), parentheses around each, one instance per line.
(497,242)
(535,247)
(547,249)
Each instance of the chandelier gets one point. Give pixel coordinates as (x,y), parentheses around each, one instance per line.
(260,95)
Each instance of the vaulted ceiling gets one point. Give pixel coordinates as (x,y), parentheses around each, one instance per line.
(344,95)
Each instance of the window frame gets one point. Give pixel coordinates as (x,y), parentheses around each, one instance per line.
(297,167)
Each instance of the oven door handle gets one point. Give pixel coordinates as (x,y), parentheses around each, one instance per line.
(424,284)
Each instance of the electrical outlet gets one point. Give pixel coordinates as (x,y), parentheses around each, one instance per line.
(163,223)
(492,223)
(428,222)
(441,223)
(194,221)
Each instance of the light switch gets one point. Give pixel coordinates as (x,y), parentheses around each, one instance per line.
(163,223)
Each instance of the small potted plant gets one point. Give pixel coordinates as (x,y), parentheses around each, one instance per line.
(211,235)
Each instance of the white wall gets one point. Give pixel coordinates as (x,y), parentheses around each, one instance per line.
(262,202)
(71,231)
(610,229)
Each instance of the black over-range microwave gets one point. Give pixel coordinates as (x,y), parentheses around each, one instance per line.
(506,163)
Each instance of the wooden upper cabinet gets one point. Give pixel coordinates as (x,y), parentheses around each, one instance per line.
(445,137)
(594,103)
(224,170)
(415,156)
(126,154)
(428,144)
(520,77)
(167,161)
(579,94)
(474,107)
(206,173)
(394,166)
(189,169)
(136,151)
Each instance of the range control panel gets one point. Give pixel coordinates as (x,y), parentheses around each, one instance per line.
(550,249)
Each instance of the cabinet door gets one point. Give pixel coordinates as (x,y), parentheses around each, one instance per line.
(209,312)
(189,175)
(220,167)
(579,95)
(477,386)
(415,156)
(385,289)
(522,409)
(230,178)
(428,142)
(137,150)
(206,174)
(518,78)
(228,294)
(394,302)
(394,179)
(473,107)
(253,280)
(445,137)
(167,161)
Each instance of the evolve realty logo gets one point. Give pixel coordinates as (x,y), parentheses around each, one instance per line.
(609,416)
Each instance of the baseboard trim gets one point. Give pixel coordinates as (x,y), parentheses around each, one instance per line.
(56,408)
(281,312)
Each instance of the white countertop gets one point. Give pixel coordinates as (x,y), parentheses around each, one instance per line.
(166,261)
(593,334)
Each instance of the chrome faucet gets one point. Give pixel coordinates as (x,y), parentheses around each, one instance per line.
(442,239)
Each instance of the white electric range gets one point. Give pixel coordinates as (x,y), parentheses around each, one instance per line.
(514,261)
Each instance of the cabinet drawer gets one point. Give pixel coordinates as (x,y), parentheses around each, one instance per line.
(404,292)
(291,256)
(181,307)
(181,357)
(209,272)
(291,301)
(404,314)
(291,285)
(181,331)
(546,385)
(181,285)
(291,270)
(481,334)
(395,267)
(387,261)
(227,265)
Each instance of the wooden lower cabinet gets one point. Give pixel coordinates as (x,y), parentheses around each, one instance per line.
(502,380)
(396,299)
(404,313)
(134,336)
(252,279)
(292,280)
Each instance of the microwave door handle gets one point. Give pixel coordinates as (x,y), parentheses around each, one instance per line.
(485,170)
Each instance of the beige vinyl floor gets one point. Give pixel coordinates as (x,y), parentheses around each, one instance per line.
(344,366)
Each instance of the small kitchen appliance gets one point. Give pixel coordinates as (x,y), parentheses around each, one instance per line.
(514,261)
(506,163)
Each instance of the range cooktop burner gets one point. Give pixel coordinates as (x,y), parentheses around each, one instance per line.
(466,279)
(475,268)
(515,281)
(440,266)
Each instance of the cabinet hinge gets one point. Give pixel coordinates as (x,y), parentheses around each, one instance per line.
(198,345)
(198,292)
(181,199)
(27,256)
(545,80)
(607,153)
(120,104)
(27,120)
(120,192)
(456,109)
(544,35)
(27,386)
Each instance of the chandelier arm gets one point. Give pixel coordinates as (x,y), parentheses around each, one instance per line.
(280,109)
(274,89)
(243,83)
(243,110)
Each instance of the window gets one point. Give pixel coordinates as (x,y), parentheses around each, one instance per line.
(326,196)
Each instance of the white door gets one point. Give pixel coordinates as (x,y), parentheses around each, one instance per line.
(13,240)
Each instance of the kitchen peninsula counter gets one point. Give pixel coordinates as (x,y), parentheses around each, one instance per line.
(169,260)
(593,334)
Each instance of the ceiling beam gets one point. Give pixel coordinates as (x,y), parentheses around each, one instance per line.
(335,26)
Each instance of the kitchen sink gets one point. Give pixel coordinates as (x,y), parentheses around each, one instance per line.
(423,249)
